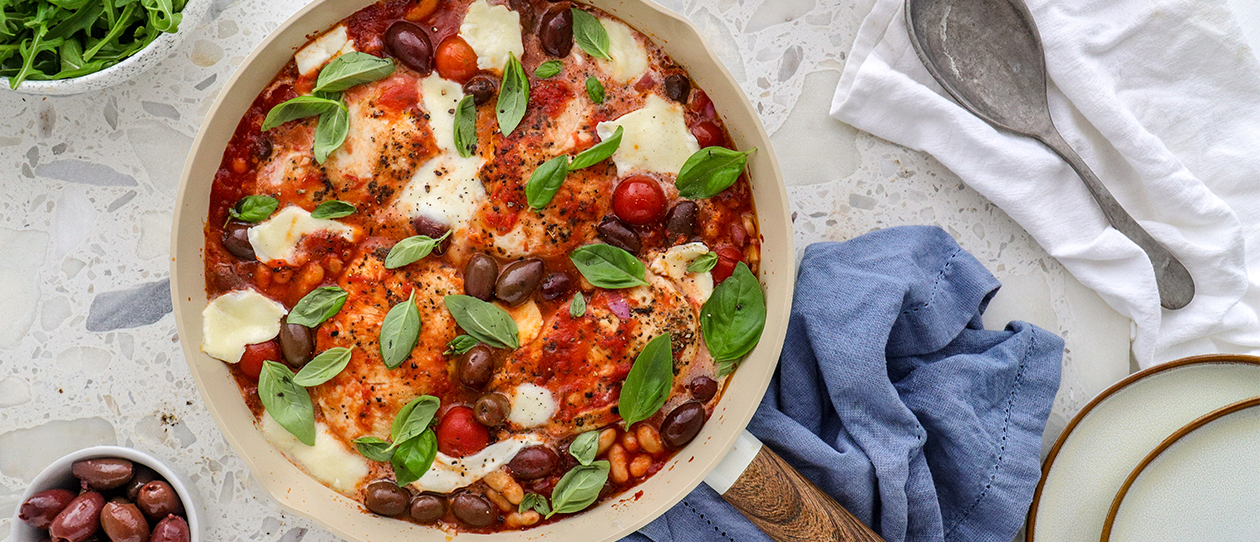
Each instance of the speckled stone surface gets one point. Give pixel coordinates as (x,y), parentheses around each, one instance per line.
(88,349)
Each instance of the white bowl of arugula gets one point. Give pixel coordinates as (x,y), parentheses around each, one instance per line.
(62,47)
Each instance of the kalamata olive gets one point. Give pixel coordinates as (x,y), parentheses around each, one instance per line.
(618,234)
(39,510)
(475,367)
(481,88)
(433,230)
(555,32)
(139,478)
(473,509)
(124,523)
(171,529)
(534,462)
(262,148)
(678,87)
(104,473)
(298,344)
(683,424)
(157,500)
(681,219)
(518,280)
(386,498)
(410,45)
(236,241)
(79,520)
(427,508)
(556,285)
(480,274)
(703,388)
(491,409)
(525,9)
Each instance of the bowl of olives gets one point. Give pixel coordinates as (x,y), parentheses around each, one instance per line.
(108,494)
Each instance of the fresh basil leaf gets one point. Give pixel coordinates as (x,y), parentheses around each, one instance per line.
(595,89)
(319,305)
(590,34)
(703,263)
(331,132)
(607,266)
(484,321)
(577,307)
(535,502)
(287,402)
(726,367)
(298,108)
(254,209)
(350,69)
(412,249)
(546,181)
(734,316)
(414,417)
(323,367)
(710,171)
(647,386)
(460,345)
(333,209)
(513,96)
(585,446)
(400,332)
(579,488)
(466,126)
(374,448)
(548,69)
(414,457)
(598,153)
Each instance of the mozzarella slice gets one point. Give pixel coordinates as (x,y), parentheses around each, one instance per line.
(446,188)
(330,45)
(493,32)
(673,262)
(277,238)
(449,473)
(629,57)
(532,406)
(328,461)
(236,319)
(656,138)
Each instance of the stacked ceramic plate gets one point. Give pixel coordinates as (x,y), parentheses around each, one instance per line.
(1170,453)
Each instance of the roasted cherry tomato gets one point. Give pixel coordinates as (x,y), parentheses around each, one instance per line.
(639,200)
(728,257)
(707,134)
(456,60)
(254,356)
(459,434)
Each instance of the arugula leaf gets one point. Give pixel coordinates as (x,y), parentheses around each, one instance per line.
(590,34)
(287,402)
(350,69)
(299,108)
(577,307)
(710,171)
(734,316)
(466,126)
(484,321)
(595,89)
(545,181)
(400,332)
(598,153)
(513,96)
(333,209)
(460,345)
(579,488)
(548,69)
(647,386)
(607,266)
(703,263)
(323,367)
(319,305)
(412,249)
(254,209)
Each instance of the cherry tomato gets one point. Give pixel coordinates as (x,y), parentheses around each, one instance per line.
(254,356)
(420,10)
(456,60)
(728,258)
(707,134)
(459,434)
(699,101)
(639,200)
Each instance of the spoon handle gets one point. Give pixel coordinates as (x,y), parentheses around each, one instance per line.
(1176,287)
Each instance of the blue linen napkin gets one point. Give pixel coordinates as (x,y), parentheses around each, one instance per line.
(892,397)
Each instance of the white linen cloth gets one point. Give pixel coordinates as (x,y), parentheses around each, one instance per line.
(1162,99)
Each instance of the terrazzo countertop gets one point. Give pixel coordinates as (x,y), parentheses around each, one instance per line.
(89,353)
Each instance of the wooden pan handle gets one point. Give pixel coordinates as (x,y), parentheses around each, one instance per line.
(788,507)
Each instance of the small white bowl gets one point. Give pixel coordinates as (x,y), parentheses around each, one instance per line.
(194,11)
(58,475)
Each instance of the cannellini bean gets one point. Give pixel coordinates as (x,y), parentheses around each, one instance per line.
(521,519)
(503,482)
(619,469)
(498,500)
(312,274)
(281,275)
(640,465)
(630,442)
(333,265)
(606,439)
(262,276)
(649,439)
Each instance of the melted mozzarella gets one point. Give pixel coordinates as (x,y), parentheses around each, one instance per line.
(328,461)
(330,45)
(656,138)
(277,238)
(629,58)
(528,320)
(448,473)
(446,188)
(238,318)
(493,32)
(532,406)
(673,262)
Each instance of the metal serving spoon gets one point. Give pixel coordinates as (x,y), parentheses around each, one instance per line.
(988,56)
